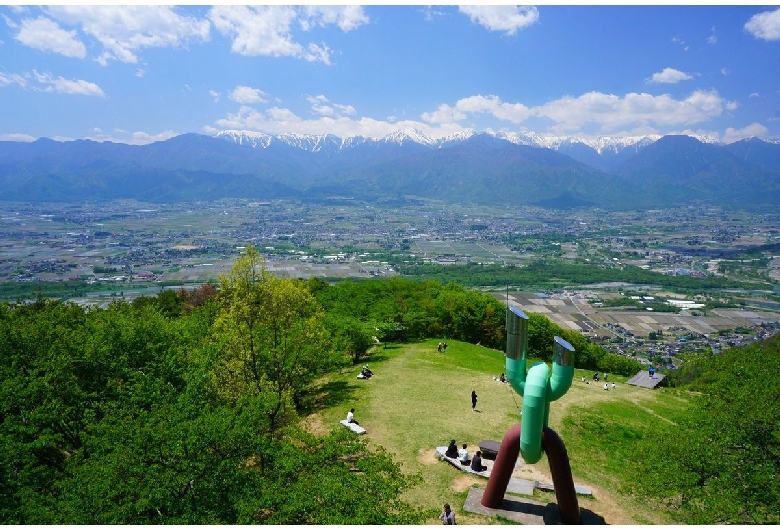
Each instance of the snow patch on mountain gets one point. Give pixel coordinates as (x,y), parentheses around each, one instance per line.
(406,136)
(249,138)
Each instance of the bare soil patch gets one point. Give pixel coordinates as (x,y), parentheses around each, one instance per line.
(463,483)
(314,425)
(427,456)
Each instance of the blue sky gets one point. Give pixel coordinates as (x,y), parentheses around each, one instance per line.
(143,73)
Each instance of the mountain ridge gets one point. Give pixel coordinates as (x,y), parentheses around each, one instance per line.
(477,167)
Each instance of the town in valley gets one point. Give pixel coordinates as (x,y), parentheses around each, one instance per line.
(124,249)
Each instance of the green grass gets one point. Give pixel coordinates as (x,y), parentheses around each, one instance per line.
(419,399)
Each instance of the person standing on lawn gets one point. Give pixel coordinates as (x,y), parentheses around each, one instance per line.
(473,400)
(447,516)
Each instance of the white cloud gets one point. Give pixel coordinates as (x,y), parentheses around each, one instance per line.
(267,30)
(10,23)
(669,75)
(724,71)
(632,113)
(512,112)
(503,17)
(754,95)
(430,12)
(280,121)
(681,42)
(246,95)
(140,137)
(734,135)
(320,105)
(283,115)
(11,79)
(257,30)
(140,72)
(318,53)
(346,18)
(67,86)
(765,25)
(17,137)
(347,110)
(125,30)
(44,34)
(215,95)
(713,38)
(612,113)
(135,138)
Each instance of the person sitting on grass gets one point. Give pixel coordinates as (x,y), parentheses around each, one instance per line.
(452,450)
(351,417)
(476,463)
(463,456)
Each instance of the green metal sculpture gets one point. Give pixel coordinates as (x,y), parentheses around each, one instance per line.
(536,385)
(538,388)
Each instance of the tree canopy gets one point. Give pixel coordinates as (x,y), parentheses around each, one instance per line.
(720,464)
(130,415)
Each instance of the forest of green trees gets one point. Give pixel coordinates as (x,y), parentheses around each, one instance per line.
(184,408)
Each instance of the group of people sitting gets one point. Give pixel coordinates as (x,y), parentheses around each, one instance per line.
(462,455)
(442,347)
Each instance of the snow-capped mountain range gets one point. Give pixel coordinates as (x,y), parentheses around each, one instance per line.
(469,167)
(320,142)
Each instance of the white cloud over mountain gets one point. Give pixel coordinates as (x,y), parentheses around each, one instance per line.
(734,135)
(609,112)
(512,112)
(639,113)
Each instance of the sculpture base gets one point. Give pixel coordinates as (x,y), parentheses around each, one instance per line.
(524,510)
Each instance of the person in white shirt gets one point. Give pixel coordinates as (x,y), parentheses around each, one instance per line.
(463,455)
(351,417)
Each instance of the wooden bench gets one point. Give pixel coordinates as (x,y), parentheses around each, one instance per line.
(354,427)
(489,448)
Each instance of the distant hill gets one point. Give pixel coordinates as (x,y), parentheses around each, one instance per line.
(479,168)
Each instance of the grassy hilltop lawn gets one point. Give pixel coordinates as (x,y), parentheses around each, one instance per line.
(419,399)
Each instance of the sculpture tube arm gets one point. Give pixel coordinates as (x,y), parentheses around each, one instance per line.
(534,408)
(563,369)
(516,348)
